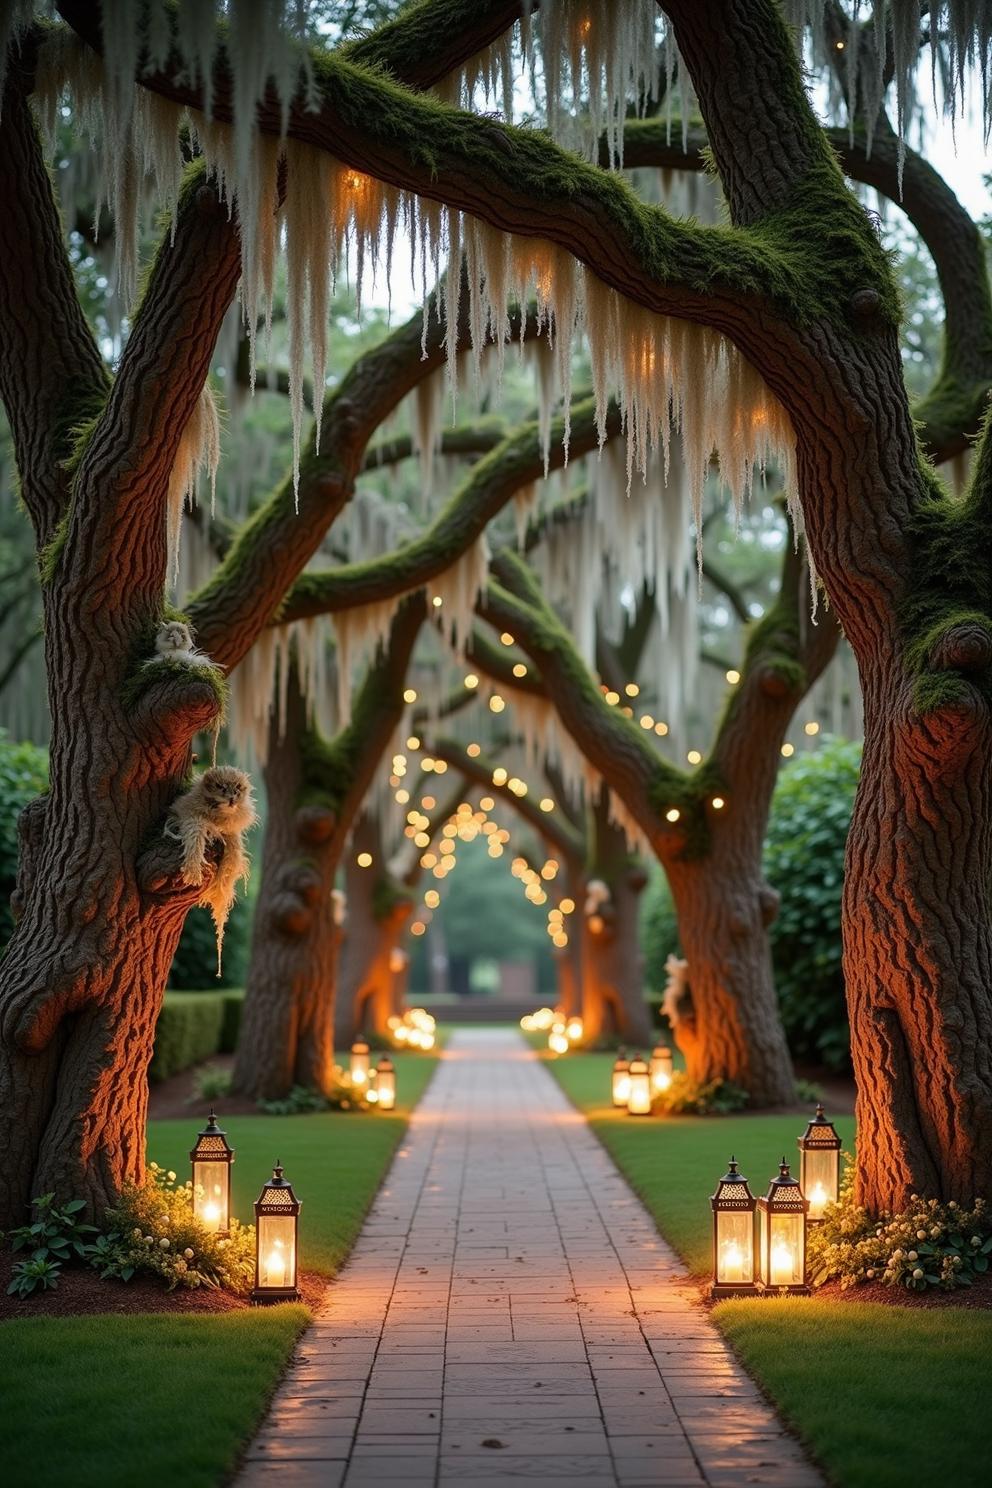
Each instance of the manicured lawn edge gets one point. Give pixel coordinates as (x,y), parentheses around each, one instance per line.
(114,1400)
(880,1395)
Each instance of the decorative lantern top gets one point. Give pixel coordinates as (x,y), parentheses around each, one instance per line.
(277,1197)
(784,1192)
(385,1065)
(733,1190)
(212,1144)
(360,1046)
(638,1066)
(820,1133)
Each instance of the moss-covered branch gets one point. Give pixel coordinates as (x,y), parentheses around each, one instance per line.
(467,439)
(516,462)
(431,38)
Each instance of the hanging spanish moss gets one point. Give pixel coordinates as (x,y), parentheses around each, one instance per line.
(458,589)
(198,452)
(360,634)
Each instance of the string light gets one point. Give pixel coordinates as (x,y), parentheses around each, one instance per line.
(733,676)
(519,670)
(473,751)
(612,698)
(718,803)
(437,601)
(788,750)
(428,803)
(647,722)
(410,695)
(661,729)
(432,898)
(496,703)
(632,689)
(546,803)
(506,639)
(402,797)
(487,803)
(413,743)
(672,814)
(812,728)
(694,757)
(364,860)
(471,681)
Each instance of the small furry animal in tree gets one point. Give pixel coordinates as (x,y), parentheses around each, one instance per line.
(218,807)
(174,642)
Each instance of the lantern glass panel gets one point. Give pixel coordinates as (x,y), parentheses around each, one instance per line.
(360,1064)
(734,1247)
(210,1194)
(820,1176)
(386,1086)
(639,1093)
(276,1250)
(621,1087)
(661,1068)
(782,1260)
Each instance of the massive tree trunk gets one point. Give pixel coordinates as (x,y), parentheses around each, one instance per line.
(377,917)
(316,789)
(287,1033)
(612,964)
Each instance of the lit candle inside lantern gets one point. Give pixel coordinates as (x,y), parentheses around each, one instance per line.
(275,1266)
(732,1262)
(783,1263)
(210,1214)
(818,1200)
(558,1043)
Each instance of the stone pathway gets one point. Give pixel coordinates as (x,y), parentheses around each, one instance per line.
(510,1313)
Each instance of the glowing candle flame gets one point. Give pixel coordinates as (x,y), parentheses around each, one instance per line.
(818,1200)
(731,1261)
(275,1266)
(783,1263)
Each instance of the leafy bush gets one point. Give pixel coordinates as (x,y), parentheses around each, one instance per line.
(684,1097)
(343,1096)
(929,1245)
(192,1026)
(56,1236)
(211,1083)
(152,1229)
(659,930)
(23,775)
(804,861)
(195,961)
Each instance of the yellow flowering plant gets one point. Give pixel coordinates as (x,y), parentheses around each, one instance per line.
(152,1229)
(928,1244)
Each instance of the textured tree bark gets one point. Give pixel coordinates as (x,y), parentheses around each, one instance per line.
(612,965)
(288,1026)
(287,1033)
(367,997)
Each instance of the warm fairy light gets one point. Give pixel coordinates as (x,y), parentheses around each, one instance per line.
(437,601)
(428,803)
(718,803)
(473,750)
(733,676)
(519,670)
(546,803)
(612,698)
(499,775)
(573,1030)
(410,695)
(427,765)
(694,757)
(471,681)
(672,814)
(413,742)
(364,860)
(432,898)
(496,703)
(558,1043)
(661,729)
(422,839)
(788,750)
(646,721)
(567,906)
(506,639)
(487,803)
(632,689)
(418,927)
(355,180)
(812,728)
(440,767)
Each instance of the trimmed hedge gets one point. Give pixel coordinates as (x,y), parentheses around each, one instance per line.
(191,1027)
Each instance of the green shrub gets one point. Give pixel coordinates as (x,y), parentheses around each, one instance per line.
(23,775)
(804,861)
(659,930)
(195,961)
(188,1031)
(233,1001)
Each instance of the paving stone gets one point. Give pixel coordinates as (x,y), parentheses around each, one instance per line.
(510,1314)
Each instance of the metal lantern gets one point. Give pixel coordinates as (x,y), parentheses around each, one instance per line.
(639,1087)
(782,1235)
(385,1083)
(621,1079)
(360,1061)
(733,1207)
(819,1165)
(661,1067)
(212,1159)
(277,1220)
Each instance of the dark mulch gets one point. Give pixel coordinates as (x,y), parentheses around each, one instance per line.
(177,1096)
(978,1295)
(81,1290)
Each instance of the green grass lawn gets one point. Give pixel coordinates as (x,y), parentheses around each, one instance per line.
(111,1401)
(884,1396)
